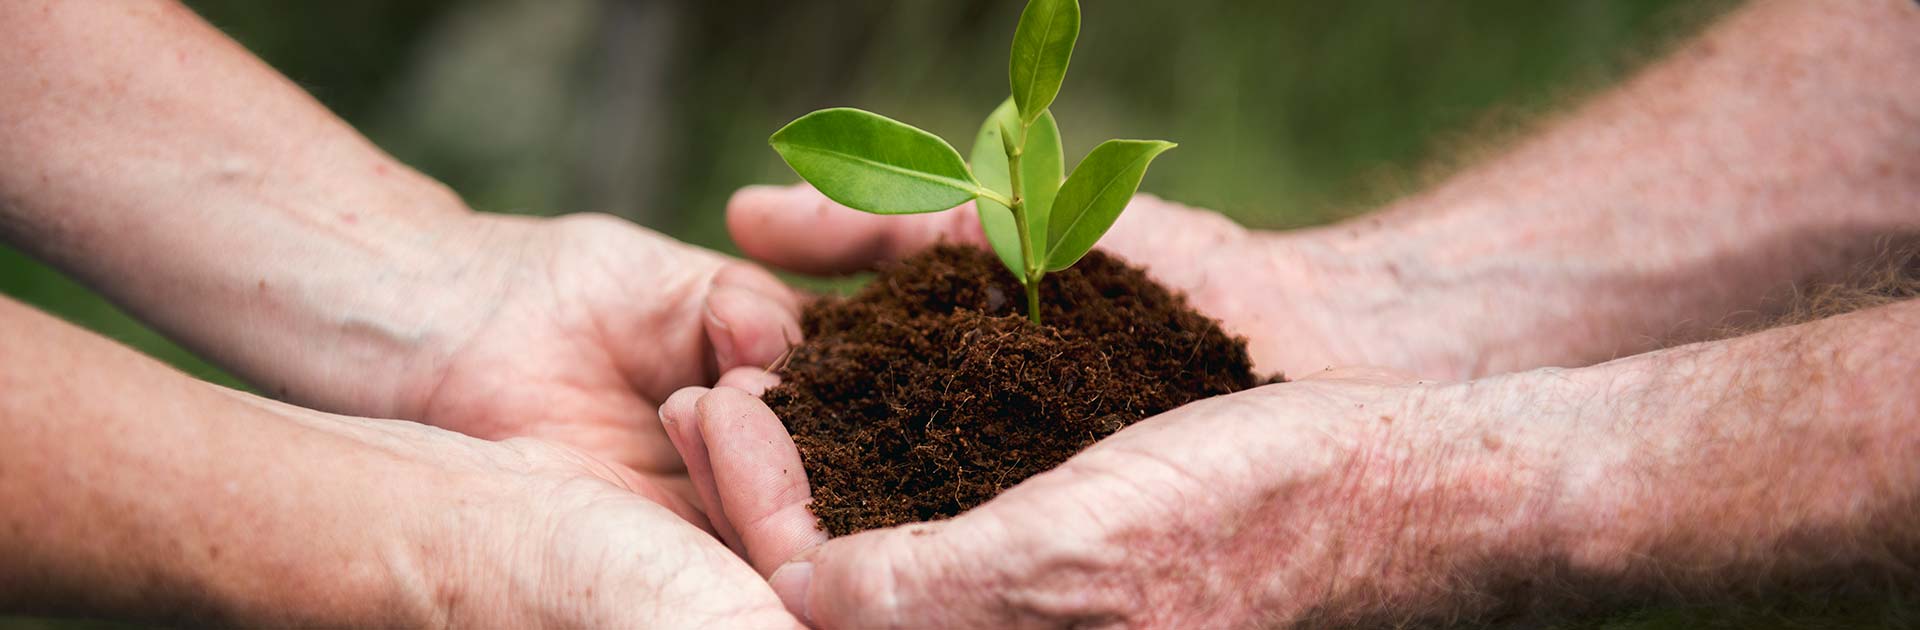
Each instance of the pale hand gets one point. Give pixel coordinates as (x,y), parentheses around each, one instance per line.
(1319,499)
(546,536)
(574,329)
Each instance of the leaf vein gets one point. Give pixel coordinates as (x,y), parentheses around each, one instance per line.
(1033,63)
(900,170)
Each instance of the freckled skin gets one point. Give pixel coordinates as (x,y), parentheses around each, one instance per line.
(175,501)
(158,162)
(1771,153)
(1676,203)
(1650,477)
(218,187)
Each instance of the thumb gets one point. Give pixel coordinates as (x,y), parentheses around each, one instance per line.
(757,477)
(872,579)
(798,229)
(750,317)
(943,574)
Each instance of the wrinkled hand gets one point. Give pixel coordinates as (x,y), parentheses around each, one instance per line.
(574,329)
(1261,285)
(554,538)
(1339,497)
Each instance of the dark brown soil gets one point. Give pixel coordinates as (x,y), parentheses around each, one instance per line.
(929,392)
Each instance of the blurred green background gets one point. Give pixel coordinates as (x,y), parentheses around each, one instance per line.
(1289,112)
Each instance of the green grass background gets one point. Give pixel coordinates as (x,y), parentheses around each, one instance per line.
(1289,113)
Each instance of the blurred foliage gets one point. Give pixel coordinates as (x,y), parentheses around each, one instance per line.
(1289,112)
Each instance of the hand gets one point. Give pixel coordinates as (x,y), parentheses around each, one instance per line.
(1322,499)
(562,541)
(574,329)
(1278,290)
(168,499)
(447,531)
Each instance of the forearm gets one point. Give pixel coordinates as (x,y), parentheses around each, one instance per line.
(1702,470)
(155,159)
(129,490)
(1777,149)
(1784,453)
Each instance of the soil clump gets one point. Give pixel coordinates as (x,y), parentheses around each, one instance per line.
(929,392)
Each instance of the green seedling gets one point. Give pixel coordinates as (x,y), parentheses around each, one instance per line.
(1036,220)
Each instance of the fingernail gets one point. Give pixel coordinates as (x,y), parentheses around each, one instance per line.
(791,582)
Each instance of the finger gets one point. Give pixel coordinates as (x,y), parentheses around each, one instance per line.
(786,226)
(746,276)
(680,416)
(752,380)
(1002,564)
(1155,232)
(762,486)
(798,229)
(750,318)
(904,577)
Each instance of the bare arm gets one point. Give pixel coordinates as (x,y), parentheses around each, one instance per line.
(1783,454)
(1711,468)
(1737,467)
(1783,146)
(132,491)
(128,490)
(159,162)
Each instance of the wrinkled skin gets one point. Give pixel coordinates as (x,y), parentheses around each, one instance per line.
(1274,505)
(575,329)
(556,538)
(1264,507)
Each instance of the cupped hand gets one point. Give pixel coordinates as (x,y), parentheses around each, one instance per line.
(1340,497)
(574,329)
(556,538)
(1265,286)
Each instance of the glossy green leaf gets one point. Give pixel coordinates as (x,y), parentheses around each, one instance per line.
(1093,196)
(873,163)
(1042,45)
(997,220)
(1041,167)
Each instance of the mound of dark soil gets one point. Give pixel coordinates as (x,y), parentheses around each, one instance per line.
(929,392)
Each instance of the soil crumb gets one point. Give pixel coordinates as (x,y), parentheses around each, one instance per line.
(929,392)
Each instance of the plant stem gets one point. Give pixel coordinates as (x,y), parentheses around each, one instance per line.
(1033,301)
(1019,207)
(990,195)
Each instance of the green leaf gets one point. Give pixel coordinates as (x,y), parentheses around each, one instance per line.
(1041,167)
(1042,45)
(997,220)
(1094,195)
(870,162)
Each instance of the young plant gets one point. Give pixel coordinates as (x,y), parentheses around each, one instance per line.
(1036,221)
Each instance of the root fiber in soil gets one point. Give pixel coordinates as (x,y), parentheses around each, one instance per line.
(929,392)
